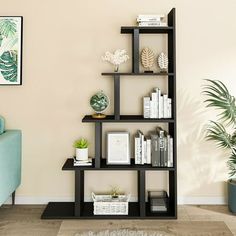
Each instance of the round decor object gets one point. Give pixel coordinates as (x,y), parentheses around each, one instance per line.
(147,58)
(99,102)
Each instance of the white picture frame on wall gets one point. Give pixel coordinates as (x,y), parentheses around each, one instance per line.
(118,148)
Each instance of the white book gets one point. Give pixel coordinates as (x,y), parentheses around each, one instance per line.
(154,24)
(146,107)
(149,161)
(165,106)
(152,109)
(145,151)
(136,150)
(154,17)
(83,163)
(169,105)
(154,100)
(158,91)
(161,108)
(170,152)
(142,149)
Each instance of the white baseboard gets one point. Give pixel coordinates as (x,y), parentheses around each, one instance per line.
(202,201)
(24,200)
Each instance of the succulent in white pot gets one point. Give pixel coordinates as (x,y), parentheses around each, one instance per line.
(81,147)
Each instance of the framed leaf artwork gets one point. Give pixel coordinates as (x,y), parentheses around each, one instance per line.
(11,50)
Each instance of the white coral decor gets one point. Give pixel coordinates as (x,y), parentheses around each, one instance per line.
(118,57)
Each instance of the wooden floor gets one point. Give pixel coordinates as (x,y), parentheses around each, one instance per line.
(192,220)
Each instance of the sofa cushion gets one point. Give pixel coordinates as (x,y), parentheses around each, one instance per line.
(2,125)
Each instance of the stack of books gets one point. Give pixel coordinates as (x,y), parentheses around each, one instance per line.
(83,163)
(157,105)
(155,149)
(151,20)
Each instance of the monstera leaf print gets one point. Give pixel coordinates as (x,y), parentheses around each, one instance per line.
(8,65)
(7,28)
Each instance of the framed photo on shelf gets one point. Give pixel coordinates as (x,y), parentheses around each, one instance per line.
(11,50)
(118,148)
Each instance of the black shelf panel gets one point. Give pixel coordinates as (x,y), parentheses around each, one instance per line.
(127,119)
(136,74)
(65,210)
(147,30)
(69,166)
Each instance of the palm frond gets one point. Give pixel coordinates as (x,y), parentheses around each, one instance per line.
(218,133)
(232,164)
(233,138)
(220,98)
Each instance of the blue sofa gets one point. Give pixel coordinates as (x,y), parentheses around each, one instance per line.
(10,163)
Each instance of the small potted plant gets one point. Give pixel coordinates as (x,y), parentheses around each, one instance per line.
(223,131)
(81,147)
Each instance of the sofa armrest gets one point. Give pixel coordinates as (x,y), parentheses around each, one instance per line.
(10,162)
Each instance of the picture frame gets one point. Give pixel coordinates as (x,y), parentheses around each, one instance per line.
(118,148)
(11,41)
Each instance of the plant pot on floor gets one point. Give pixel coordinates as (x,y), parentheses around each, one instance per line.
(232,195)
(81,154)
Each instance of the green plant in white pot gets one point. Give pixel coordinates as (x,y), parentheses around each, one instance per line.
(81,147)
(223,131)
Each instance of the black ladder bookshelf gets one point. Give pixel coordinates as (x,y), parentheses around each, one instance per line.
(79,209)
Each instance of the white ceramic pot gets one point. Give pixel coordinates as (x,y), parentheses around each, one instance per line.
(81,154)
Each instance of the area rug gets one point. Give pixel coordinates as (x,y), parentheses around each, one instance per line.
(123,232)
(143,228)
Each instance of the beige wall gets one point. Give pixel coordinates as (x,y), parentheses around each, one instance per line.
(63,44)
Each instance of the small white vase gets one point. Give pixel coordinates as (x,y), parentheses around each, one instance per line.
(81,154)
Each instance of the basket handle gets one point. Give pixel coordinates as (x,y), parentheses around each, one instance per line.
(93,196)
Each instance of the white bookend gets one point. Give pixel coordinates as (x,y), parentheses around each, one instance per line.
(146,107)
(161,107)
(149,161)
(165,106)
(154,100)
(152,115)
(145,152)
(169,102)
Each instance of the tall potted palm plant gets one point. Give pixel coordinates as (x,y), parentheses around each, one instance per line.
(223,130)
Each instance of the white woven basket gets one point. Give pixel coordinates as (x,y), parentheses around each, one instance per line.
(106,205)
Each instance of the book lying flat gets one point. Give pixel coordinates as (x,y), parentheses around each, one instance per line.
(83,163)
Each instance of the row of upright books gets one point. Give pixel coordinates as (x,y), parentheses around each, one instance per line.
(157,106)
(151,20)
(155,149)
